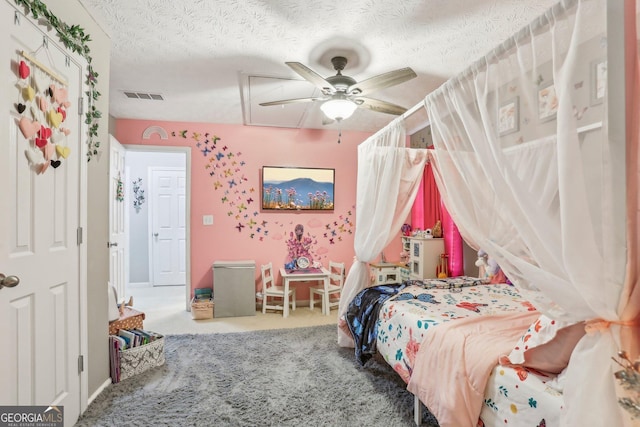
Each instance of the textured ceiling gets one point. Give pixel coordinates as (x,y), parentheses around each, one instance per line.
(213,61)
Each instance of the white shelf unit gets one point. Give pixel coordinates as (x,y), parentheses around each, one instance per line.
(389,273)
(424,257)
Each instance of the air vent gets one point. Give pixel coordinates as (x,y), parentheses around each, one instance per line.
(142,95)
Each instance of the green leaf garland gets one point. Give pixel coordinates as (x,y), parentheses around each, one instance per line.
(74,38)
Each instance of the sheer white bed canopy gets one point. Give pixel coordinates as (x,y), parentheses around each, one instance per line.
(536,158)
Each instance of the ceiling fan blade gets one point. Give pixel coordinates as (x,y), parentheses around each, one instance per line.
(382,81)
(290,101)
(312,77)
(380,106)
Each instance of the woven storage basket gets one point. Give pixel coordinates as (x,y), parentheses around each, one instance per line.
(202,309)
(136,360)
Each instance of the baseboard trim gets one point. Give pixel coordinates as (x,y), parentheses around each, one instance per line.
(104,385)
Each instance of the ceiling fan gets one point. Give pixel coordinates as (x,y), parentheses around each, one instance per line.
(341,94)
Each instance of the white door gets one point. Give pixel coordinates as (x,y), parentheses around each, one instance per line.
(39,222)
(117,242)
(168,225)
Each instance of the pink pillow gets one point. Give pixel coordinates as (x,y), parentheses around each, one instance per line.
(546,346)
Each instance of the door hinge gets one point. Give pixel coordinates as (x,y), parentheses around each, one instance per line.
(80,106)
(80,364)
(79,235)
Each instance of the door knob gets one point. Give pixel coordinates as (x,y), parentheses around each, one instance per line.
(110,244)
(155,234)
(8,281)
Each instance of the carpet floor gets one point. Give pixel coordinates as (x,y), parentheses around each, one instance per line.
(284,377)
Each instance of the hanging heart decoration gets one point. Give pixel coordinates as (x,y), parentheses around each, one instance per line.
(28,93)
(42,103)
(54,118)
(43,167)
(34,158)
(23,70)
(28,128)
(44,132)
(63,151)
(57,137)
(49,104)
(49,150)
(63,112)
(59,94)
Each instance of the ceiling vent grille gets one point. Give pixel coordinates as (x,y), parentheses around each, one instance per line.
(143,95)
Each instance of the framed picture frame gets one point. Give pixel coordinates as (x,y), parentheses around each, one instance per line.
(289,189)
(547,102)
(598,84)
(509,116)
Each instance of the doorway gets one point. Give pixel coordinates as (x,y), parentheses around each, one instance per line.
(157,227)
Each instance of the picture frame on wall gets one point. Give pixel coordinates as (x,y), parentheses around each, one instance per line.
(509,116)
(598,81)
(286,188)
(547,102)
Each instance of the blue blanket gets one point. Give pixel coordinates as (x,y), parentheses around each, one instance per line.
(362,318)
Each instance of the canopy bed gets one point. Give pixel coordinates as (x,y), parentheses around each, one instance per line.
(535,154)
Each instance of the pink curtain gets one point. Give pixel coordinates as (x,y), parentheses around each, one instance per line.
(426,209)
(452,244)
(429,209)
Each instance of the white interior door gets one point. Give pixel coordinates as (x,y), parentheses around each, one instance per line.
(117,234)
(168,225)
(39,223)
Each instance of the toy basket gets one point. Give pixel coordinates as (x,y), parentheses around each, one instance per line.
(201,309)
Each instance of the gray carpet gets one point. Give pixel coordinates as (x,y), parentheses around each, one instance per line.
(286,377)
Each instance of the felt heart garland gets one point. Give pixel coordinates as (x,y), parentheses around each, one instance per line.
(28,127)
(63,112)
(62,151)
(47,103)
(23,70)
(28,93)
(57,137)
(44,132)
(54,118)
(49,150)
(42,103)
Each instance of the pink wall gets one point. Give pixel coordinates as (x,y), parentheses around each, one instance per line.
(241,230)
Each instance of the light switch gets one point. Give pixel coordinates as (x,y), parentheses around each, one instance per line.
(207,219)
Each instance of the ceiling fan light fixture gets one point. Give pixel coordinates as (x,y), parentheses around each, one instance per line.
(338,109)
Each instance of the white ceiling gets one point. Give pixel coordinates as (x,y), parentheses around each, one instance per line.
(214,61)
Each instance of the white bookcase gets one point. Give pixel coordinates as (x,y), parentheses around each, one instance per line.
(424,256)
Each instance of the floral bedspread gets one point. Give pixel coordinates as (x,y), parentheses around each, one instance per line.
(405,318)
(520,397)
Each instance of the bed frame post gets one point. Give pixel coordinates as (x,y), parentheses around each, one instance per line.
(417,410)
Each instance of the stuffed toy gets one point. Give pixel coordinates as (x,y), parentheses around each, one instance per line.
(489,270)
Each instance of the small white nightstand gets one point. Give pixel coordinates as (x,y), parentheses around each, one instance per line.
(385,273)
